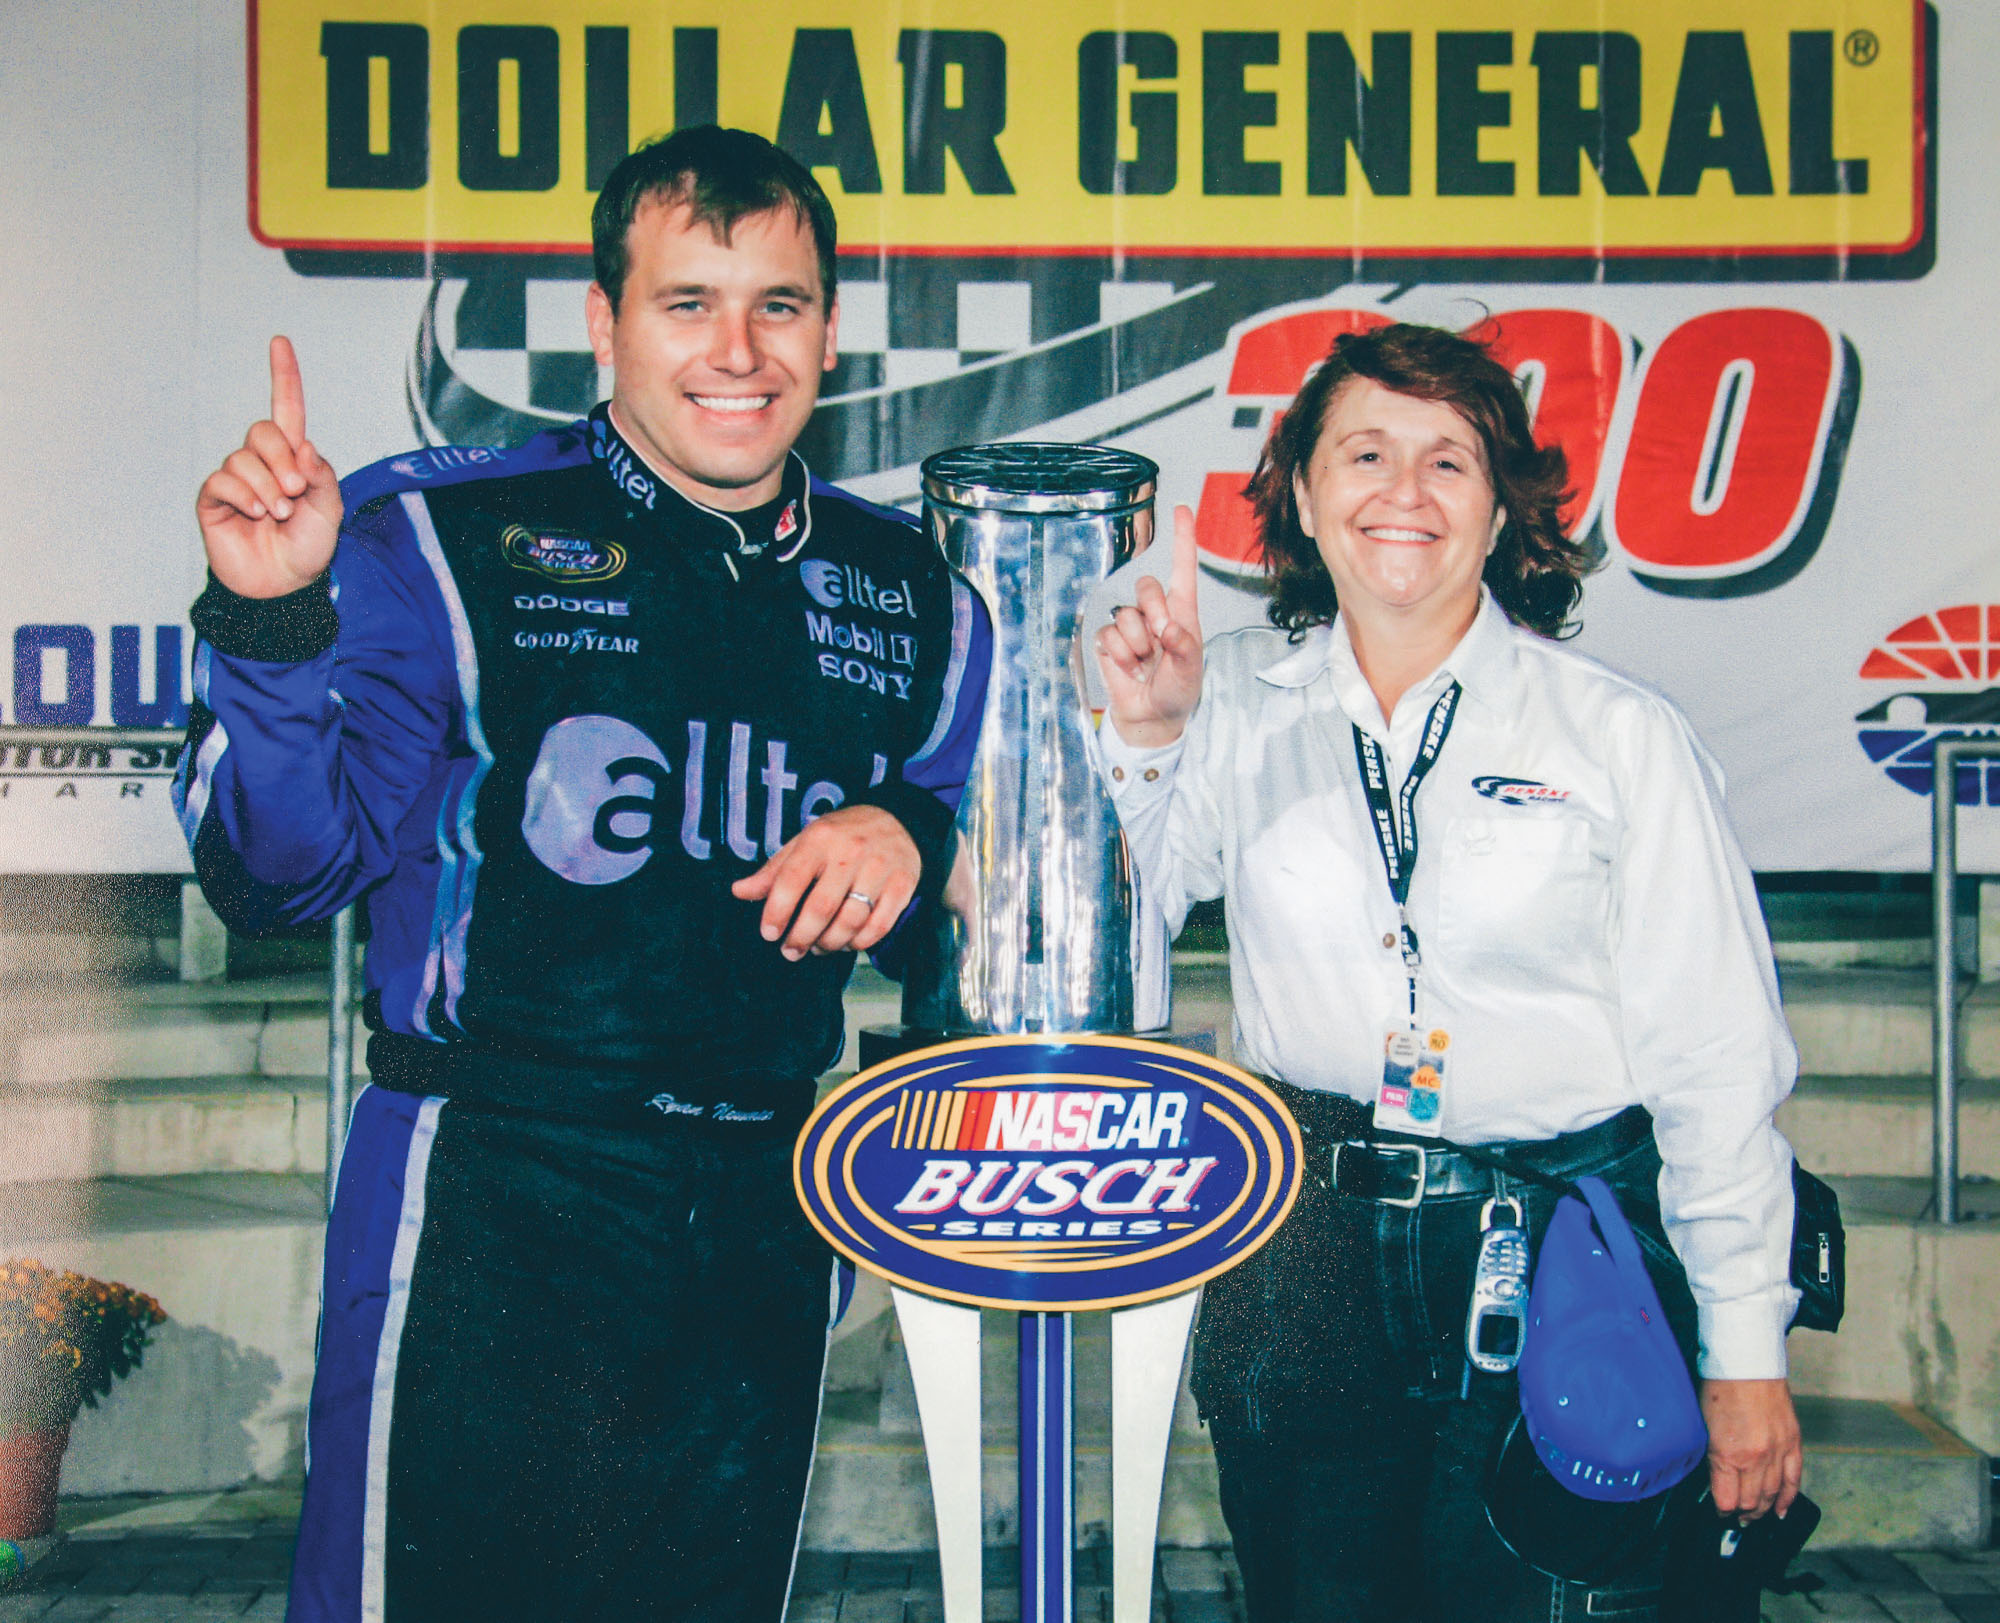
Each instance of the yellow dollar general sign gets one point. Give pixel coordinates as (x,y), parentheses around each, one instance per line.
(1421,129)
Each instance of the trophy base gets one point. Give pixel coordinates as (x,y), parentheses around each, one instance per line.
(880,1044)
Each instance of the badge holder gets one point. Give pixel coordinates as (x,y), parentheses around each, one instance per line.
(1411,1097)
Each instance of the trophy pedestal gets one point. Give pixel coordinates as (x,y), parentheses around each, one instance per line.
(1039,956)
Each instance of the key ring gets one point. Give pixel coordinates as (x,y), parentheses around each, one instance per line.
(1501,1198)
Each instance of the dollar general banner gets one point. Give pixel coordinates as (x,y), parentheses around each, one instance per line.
(1365,131)
(1737,256)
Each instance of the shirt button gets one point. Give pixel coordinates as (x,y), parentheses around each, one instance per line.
(1389,941)
(1152,774)
(1118,773)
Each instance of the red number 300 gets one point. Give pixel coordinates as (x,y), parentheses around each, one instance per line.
(1718,480)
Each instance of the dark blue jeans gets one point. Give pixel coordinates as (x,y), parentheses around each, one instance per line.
(1351,1448)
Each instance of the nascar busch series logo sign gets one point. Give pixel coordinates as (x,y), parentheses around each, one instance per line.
(1033,1174)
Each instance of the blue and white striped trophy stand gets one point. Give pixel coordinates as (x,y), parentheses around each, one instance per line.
(1011,1145)
(891,1161)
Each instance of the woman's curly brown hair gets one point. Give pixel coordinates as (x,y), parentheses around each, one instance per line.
(1535,571)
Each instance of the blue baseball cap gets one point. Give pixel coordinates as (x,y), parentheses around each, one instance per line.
(1585,1541)
(1606,1400)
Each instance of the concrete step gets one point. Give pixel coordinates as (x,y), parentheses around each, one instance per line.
(871,1490)
(234,1258)
(164,1127)
(1888,1476)
(1885,1474)
(86,1029)
(1900,952)
(165,1079)
(114,1085)
(35,957)
(1865,1126)
(1923,1314)
(1849,1023)
(1877,1022)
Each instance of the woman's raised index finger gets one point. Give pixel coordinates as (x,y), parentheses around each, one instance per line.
(1181,582)
(288,392)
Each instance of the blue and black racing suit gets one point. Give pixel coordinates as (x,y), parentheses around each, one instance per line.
(539,716)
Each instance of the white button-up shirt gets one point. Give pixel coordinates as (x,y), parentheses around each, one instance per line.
(1590,934)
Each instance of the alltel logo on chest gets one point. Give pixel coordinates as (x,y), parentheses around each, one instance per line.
(603,796)
(842,586)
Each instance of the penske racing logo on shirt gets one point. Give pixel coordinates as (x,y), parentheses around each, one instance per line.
(1520,791)
(1058,1174)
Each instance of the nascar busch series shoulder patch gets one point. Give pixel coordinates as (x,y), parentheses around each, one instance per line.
(562,557)
(1038,1174)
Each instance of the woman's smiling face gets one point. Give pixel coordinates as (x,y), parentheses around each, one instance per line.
(1398,498)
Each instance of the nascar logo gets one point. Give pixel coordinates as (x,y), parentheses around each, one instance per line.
(562,557)
(1026,1173)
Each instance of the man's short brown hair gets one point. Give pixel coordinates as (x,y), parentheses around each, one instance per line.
(722,176)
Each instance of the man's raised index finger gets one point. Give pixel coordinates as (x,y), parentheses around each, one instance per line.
(288,392)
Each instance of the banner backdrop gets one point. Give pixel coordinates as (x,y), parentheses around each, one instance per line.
(1739,257)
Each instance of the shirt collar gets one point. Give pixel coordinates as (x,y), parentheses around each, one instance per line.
(1484,663)
(778,526)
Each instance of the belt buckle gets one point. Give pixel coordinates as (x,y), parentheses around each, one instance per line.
(1423,1168)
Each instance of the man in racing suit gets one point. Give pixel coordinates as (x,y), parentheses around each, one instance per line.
(626,739)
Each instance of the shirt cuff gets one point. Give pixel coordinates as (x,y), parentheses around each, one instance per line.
(284,630)
(1137,777)
(926,819)
(1744,1340)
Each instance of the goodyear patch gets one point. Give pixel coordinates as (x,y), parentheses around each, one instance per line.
(1049,1175)
(562,557)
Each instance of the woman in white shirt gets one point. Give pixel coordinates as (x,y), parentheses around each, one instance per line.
(1479,889)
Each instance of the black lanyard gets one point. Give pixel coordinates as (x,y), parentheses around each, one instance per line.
(1394,819)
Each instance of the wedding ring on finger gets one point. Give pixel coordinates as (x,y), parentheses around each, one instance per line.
(860,896)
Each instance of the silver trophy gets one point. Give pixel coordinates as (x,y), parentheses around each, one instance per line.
(1042,927)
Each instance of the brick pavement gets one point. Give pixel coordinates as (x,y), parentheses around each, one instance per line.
(237,1568)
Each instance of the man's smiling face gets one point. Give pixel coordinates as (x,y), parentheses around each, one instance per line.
(717,347)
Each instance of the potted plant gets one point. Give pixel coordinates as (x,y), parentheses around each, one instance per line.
(64,1339)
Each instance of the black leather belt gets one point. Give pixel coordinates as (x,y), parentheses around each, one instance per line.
(1399,1173)
(1403,1171)
(1407,1172)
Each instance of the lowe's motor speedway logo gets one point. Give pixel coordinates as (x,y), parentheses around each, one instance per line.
(1031,1173)
(1942,671)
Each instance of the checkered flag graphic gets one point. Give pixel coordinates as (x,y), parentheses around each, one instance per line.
(935,351)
